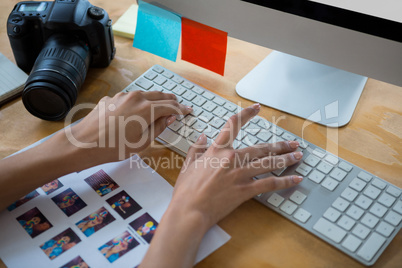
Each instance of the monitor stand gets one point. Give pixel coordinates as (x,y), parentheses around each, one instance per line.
(304,88)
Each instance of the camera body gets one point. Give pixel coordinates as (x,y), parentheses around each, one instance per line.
(56,42)
(31,23)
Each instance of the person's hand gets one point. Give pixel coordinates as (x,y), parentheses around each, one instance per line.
(125,124)
(215,181)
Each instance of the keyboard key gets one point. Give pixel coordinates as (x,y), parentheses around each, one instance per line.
(386,199)
(160,80)
(187,84)
(189,95)
(338,174)
(303,169)
(288,137)
(288,207)
(264,124)
(179,90)
(194,136)
(220,112)
(319,153)
(208,95)
(393,191)
(331,159)
(351,243)
(217,122)
(303,144)
(253,129)
(167,74)
(385,229)
(329,230)
(357,184)
(316,176)
(364,176)
(177,79)
(346,222)
(185,131)
(340,204)
(371,246)
(379,183)
(189,120)
(361,231)
(197,111)
(332,214)
(157,69)
(349,194)
(369,220)
(298,197)
(372,192)
(211,132)
(324,167)
(145,84)
(302,215)
(197,90)
(363,201)
(393,218)
(199,126)
(176,125)
(231,107)
(219,101)
(378,210)
(330,184)
(209,106)
(175,139)
(150,75)
(169,85)
(264,135)
(398,207)
(275,199)
(206,117)
(199,101)
(345,166)
(355,212)
(311,160)
(277,131)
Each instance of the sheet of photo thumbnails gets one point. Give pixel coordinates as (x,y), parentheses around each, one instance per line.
(104,216)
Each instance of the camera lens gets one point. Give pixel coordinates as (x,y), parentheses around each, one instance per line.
(59,72)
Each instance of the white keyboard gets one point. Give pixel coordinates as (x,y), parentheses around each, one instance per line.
(354,211)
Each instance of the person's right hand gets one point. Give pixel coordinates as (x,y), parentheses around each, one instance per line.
(215,181)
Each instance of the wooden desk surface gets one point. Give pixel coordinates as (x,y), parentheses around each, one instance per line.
(260,237)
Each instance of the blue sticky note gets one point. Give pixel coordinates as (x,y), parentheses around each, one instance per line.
(158,31)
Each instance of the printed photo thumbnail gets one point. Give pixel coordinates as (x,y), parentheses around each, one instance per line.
(23,200)
(60,243)
(34,222)
(123,204)
(77,262)
(69,202)
(52,186)
(95,221)
(102,183)
(145,226)
(117,247)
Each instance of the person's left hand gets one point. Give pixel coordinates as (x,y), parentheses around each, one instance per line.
(125,124)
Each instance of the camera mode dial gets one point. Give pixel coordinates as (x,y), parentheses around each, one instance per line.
(96,13)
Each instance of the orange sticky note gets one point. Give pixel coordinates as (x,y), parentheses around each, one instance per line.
(203,45)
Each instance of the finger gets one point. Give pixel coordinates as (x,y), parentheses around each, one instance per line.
(168,107)
(157,127)
(274,183)
(267,149)
(271,163)
(232,127)
(157,95)
(197,149)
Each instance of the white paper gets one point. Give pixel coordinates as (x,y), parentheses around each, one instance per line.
(147,188)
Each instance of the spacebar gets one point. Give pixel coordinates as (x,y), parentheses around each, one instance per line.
(175,140)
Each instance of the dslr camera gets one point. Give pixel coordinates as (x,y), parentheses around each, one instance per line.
(56,42)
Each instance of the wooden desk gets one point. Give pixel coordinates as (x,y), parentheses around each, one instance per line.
(260,237)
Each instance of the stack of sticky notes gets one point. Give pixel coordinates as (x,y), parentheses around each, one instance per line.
(158,31)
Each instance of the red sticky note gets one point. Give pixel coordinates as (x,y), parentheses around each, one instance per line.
(203,45)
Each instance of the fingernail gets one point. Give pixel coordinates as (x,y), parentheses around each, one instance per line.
(189,108)
(201,137)
(170,119)
(293,144)
(298,155)
(256,106)
(297,179)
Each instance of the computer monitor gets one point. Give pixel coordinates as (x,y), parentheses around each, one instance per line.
(324,49)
